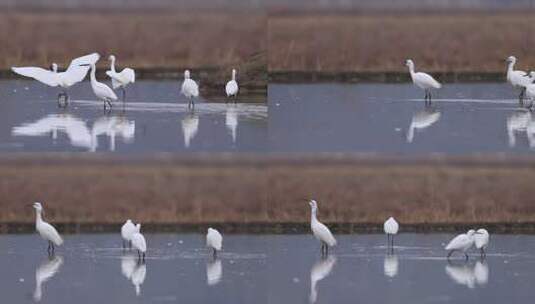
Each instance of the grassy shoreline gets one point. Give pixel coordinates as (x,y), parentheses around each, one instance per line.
(252,190)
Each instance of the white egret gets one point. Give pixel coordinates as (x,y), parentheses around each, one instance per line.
(391,228)
(423,80)
(422,120)
(139,243)
(481,240)
(462,243)
(214,240)
(320,271)
(517,78)
(190,89)
(214,272)
(45,272)
(120,79)
(101,90)
(190,127)
(45,230)
(320,231)
(74,74)
(231,121)
(391,265)
(232,87)
(127,230)
(138,276)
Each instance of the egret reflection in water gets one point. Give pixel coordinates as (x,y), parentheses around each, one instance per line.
(231,121)
(469,275)
(128,265)
(214,272)
(77,130)
(320,271)
(421,120)
(190,127)
(391,265)
(45,272)
(517,122)
(138,276)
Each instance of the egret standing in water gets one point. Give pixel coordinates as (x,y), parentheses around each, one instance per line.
(190,89)
(320,231)
(101,90)
(214,240)
(120,79)
(462,243)
(74,74)
(481,240)
(423,80)
(45,230)
(139,243)
(518,79)
(391,228)
(232,87)
(127,230)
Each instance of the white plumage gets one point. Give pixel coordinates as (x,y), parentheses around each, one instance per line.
(320,271)
(214,240)
(45,272)
(74,74)
(391,228)
(127,230)
(45,230)
(139,243)
(120,79)
(462,242)
(423,80)
(190,89)
(138,277)
(190,127)
(319,230)
(391,265)
(517,78)
(232,86)
(481,240)
(102,91)
(214,272)
(231,121)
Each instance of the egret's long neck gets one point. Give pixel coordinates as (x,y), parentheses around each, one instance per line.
(411,70)
(38,217)
(233,75)
(313,217)
(93,77)
(113,64)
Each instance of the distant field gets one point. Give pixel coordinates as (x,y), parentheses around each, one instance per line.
(241,189)
(439,42)
(183,39)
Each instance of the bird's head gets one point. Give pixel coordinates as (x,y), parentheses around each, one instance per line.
(37,206)
(511,59)
(54,67)
(482,231)
(138,228)
(409,63)
(186,74)
(471,232)
(111,58)
(313,204)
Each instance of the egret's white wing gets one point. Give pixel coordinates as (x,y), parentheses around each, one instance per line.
(45,76)
(460,242)
(323,233)
(427,80)
(50,233)
(87,59)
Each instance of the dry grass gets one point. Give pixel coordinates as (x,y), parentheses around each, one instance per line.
(153,39)
(437,42)
(266,191)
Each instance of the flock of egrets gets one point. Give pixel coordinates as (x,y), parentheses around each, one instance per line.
(133,238)
(79,67)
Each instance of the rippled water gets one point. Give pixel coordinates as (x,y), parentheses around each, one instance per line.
(265,269)
(155,118)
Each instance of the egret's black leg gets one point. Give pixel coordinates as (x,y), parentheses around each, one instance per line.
(214,253)
(466,256)
(235,98)
(450,253)
(124,94)
(392,238)
(143,257)
(130,244)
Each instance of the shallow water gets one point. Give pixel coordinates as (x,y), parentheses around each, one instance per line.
(393,119)
(155,118)
(265,269)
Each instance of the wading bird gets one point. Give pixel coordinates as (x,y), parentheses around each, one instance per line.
(74,74)
(481,239)
(120,79)
(190,89)
(320,231)
(232,87)
(127,230)
(462,243)
(45,230)
(423,80)
(101,90)
(139,243)
(518,79)
(214,240)
(391,228)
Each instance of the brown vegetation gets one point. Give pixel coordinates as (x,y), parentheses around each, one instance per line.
(381,42)
(264,190)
